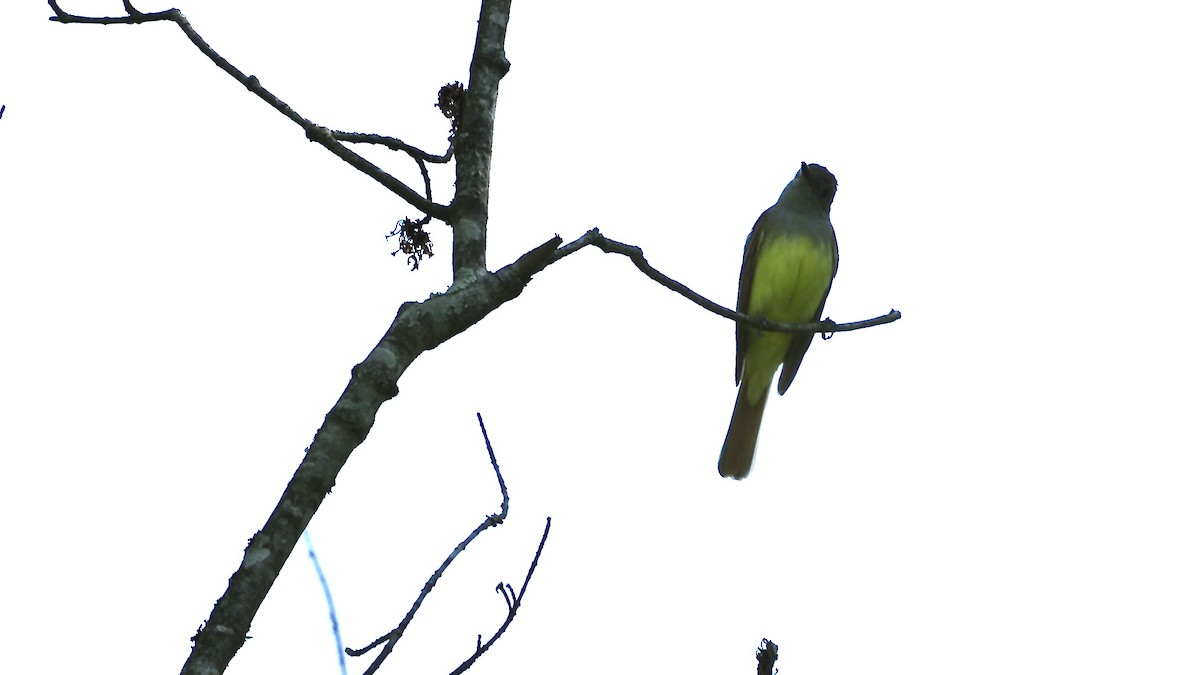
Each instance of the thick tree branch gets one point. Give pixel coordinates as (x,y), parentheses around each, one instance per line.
(473,143)
(418,327)
(314,132)
(395,144)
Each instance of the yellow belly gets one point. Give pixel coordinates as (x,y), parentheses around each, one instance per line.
(790,282)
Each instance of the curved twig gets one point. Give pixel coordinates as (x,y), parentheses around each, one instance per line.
(593,238)
(395,144)
(393,636)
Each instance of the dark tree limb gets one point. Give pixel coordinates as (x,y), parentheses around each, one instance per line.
(418,327)
(473,143)
(767,655)
(314,132)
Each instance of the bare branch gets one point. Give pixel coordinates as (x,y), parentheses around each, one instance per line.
(418,327)
(473,143)
(134,16)
(393,636)
(594,238)
(395,144)
(514,604)
(314,132)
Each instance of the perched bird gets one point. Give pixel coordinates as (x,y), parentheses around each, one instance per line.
(790,259)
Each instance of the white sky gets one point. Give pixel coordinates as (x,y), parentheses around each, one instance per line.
(1004,481)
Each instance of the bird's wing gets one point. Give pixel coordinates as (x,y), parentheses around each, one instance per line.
(749,258)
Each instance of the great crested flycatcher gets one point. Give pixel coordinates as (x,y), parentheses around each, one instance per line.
(790,259)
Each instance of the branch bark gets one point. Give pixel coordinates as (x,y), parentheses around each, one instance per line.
(473,144)
(418,327)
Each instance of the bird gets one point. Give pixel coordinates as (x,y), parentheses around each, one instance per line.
(788,266)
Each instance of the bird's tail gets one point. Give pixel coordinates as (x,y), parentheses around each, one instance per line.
(737,455)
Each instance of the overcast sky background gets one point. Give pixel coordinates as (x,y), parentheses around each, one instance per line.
(1003,481)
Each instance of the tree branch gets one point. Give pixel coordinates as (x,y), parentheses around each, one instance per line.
(390,639)
(514,604)
(314,132)
(473,143)
(594,238)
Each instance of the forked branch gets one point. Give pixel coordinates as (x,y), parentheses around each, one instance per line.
(313,131)
(389,639)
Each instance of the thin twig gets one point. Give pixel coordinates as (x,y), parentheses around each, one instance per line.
(767,655)
(393,636)
(514,603)
(425,177)
(314,132)
(594,238)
